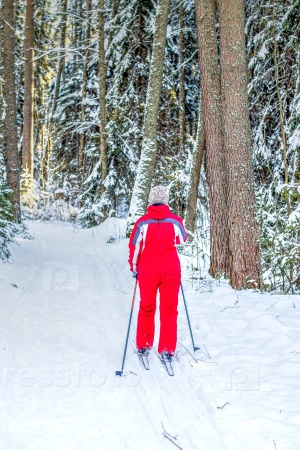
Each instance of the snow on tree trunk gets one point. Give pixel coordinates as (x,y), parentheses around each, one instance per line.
(181,79)
(114,9)
(102,96)
(60,69)
(145,169)
(28,120)
(9,94)
(84,94)
(215,157)
(2,104)
(191,206)
(244,265)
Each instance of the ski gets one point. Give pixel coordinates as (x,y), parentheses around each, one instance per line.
(166,360)
(143,357)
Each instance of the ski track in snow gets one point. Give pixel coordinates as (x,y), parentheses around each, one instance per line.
(62,339)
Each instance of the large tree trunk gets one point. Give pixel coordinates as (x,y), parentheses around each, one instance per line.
(9,91)
(102,95)
(28,120)
(215,157)
(244,265)
(191,207)
(139,199)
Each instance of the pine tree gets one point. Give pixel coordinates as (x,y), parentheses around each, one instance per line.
(102,93)
(192,195)
(28,121)
(9,94)
(57,86)
(273,37)
(147,161)
(215,155)
(244,264)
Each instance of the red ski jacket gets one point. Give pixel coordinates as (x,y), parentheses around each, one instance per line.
(152,245)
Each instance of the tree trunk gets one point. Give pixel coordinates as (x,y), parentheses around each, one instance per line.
(181,79)
(114,9)
(75,37)
(281,112)
(28,120)
(244,265)
(83,93)
(2,106)
(60,68)
(9,93)
(191,207)
(102,95)
(61,62)
(215,157)
(139,199)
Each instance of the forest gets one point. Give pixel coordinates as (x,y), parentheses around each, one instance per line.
(102,99)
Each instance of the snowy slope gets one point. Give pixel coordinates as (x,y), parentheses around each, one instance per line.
(64,309)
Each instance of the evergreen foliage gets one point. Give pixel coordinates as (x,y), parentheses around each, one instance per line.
(7,227)
(273,37)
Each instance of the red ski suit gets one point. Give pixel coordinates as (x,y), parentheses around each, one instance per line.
(153,253)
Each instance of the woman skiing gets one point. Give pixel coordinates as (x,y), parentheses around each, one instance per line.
(154,259)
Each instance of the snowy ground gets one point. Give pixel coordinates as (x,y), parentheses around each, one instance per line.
(64,309)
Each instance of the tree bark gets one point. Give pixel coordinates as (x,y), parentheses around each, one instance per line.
(215,157)
(191,207)
(244,264)
(102,95)
(9,93)
(28,121)
(139,199)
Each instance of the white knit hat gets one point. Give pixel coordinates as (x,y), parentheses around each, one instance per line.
(159,194)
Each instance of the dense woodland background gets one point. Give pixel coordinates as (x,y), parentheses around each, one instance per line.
(100,99)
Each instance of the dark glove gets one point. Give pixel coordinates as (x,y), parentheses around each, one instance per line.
(134,274)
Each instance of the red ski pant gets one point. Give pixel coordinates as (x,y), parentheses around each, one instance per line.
(168,285)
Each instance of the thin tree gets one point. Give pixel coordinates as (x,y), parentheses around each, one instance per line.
(181,78)
(2,108)
(215,157)
(114,9)
(244,265)
(60,69)
(146,165)
(84,91)
(28,121)
(191,204)
(9,93)
(102,93)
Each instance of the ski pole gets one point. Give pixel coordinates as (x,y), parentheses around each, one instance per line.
(187,315)
(120,372)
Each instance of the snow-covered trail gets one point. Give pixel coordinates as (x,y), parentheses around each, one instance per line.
(63,341)
(64,310)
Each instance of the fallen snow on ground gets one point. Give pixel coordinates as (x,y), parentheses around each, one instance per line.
(64,309)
